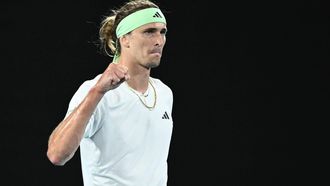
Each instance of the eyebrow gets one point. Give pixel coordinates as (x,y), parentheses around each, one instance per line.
(154,30)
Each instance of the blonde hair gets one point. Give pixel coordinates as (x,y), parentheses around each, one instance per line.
(107,32)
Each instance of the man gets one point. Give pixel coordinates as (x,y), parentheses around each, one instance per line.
(121,119)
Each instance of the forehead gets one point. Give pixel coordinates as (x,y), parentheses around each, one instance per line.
(159,26)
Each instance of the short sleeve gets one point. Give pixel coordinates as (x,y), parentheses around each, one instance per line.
(94,122)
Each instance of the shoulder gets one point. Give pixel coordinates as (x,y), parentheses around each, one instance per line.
(81,92)
(159,83)
(88,84)
(161,86)
(84,88)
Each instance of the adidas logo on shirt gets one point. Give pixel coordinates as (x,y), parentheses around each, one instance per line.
(165,116)
(157,14)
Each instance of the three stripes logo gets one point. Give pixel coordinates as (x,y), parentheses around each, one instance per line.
(157,14)
(165,116)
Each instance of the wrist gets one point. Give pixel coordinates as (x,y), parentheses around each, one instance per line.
(96,91)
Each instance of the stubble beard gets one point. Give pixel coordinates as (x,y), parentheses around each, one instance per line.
(152,64)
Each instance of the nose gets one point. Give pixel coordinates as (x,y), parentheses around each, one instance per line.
(160,39)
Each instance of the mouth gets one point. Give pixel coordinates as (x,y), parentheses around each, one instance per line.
(156,52)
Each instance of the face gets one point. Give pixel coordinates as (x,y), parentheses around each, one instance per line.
(146,44)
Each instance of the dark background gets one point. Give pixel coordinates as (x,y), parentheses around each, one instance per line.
(249,78)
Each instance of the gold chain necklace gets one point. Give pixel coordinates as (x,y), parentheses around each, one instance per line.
(144,102)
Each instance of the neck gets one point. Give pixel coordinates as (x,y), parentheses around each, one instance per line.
(139,75)
(139,82)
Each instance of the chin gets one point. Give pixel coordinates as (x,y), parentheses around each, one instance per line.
(153,63)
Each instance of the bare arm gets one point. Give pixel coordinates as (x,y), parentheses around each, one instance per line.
(65,139)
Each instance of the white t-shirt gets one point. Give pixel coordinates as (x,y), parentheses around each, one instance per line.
(125,143)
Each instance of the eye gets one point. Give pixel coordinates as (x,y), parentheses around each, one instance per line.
(153,32)
(163,31)
(149,31)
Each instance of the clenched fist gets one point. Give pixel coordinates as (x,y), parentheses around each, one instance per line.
(112,77)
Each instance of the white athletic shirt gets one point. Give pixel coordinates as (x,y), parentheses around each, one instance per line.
(125,143)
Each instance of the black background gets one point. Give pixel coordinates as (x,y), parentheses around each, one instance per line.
(249,78)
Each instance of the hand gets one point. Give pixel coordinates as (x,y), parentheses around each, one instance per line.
(112,77)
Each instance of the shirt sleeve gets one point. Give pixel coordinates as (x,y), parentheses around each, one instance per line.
(94,122)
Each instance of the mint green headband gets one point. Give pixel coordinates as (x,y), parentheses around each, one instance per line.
(139,18)
(135,20)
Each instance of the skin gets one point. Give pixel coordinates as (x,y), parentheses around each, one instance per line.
(141,50)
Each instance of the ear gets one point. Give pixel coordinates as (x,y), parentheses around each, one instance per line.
(124,41)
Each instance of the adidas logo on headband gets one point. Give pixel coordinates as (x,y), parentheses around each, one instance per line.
(138,18)
(157,15)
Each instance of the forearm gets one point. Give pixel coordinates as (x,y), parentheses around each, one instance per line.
(65,139)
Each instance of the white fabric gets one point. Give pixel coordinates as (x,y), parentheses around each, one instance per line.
(126,144)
